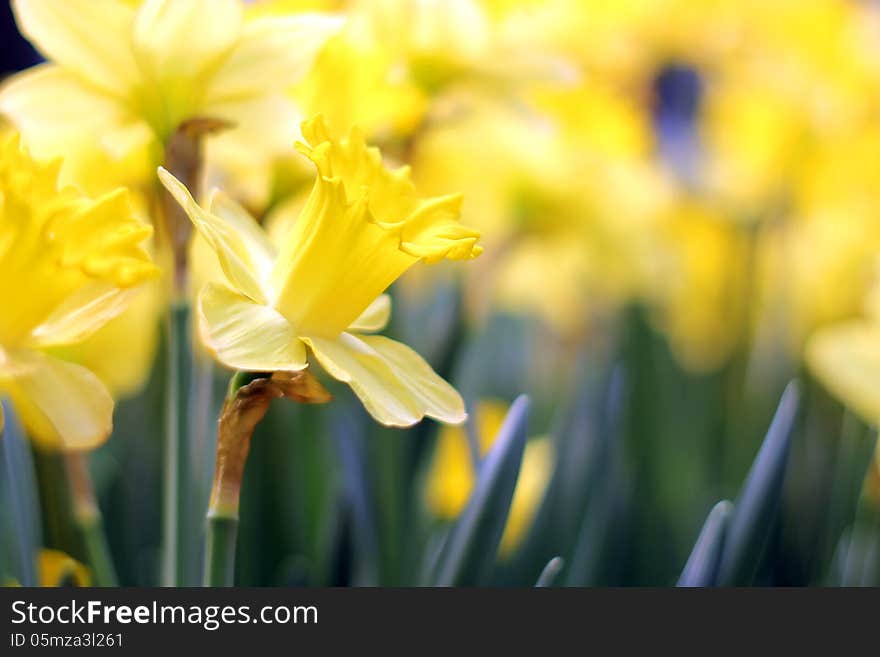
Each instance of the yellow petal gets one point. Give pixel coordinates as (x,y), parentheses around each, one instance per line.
(260,250)
(375,317)
(80,315)
(394,383)
(272,53)
(55,243)
(57,568)
(59,115)
(237,251)
(426,227)
(62,405)
(247,336)
(433,232)
(334,263)
(185,39)
(846,359)
(121,353)
(362,227)
(89,37)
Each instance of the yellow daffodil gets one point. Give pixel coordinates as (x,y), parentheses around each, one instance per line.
(451,478)
(67,267)
(56,568)
(362,227)
(700,289)
(121,353)
(845,357)
(123,76)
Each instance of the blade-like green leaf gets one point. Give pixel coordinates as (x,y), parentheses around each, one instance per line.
(551,570)
(701,568)
(21,492)
(349,439)
(758,501)
(473,540)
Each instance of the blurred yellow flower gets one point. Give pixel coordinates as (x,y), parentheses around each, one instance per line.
(67,267)
(561,189)
(355,81)
(55,568)
(362,227)
(121,353)
(700,288)
(451,478)
(123,76)
(845,357)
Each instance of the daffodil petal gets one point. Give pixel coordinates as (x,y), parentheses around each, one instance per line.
(261,252)
(846,359)
(375,317)
(187,38)
(89,37)
(80,315)
(272,52)
(433,231)
(57,568)
(247,336)
(60,114)
(62,405)
(394,383)
(232,246)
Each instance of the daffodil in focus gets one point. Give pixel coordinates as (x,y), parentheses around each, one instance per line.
(123,76)
(321,289)
(452,476)
(68,265)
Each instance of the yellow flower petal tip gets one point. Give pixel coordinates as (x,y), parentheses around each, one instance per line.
(322,287)
(56,568)
(68,265)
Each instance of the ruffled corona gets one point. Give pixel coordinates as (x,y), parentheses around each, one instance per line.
(67,265)
(321,288)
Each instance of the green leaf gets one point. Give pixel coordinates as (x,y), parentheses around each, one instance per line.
(473,540)
(551,570)
(701,568)
(758,501)
(20,495)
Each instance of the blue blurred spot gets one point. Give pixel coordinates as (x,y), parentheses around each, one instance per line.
(678,91)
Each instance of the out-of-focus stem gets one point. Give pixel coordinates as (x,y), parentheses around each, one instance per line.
(183,158)
(88,519)
(176,466)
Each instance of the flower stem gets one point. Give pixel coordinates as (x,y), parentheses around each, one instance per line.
(184,159)
(220,549)
(247,402)
(88,519)
(176,469)
(245,406)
